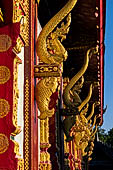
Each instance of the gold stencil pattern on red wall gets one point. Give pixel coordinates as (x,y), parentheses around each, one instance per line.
(4,74)
(4,143)
(4,108)
(5,42)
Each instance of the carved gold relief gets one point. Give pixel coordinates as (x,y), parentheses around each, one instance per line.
(20,164)
(17,14)
(21,14)
(44,133)
(4,108)
(24,29)
(47,71)
(19,45)
(15,97)
(44,90)
(4,143)
(49,48)
(17,130)
(5,42)
(16,148)
(4,74)
(91,147)
(83,129)
(45,166)
(44,145)
(44,157)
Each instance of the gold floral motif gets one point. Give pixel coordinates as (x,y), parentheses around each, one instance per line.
(4,74)
(4,143)
(4,108)
(5,42)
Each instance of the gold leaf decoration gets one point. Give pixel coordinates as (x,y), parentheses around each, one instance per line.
(4,108)
(5,42)
(4,74)
(4,143)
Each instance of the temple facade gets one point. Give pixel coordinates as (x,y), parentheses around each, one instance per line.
(51,83)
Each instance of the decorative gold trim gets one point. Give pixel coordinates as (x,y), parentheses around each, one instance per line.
(4,108)
(19,45)
(16,148)
(26,124)
(5,42)
(47,70)
(45,162)
(4,74)
(4,143)
(20,164)
(17,61)
(23,17)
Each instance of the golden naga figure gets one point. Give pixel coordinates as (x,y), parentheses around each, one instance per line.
(73,102)
(49,48)
(83,129)
(44,90)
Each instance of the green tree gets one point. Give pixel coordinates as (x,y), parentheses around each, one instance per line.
(107,138)
(102,135)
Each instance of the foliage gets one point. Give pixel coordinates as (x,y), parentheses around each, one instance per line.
(110,137)
(107,138)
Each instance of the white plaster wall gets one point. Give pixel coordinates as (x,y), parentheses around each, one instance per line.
(20,137)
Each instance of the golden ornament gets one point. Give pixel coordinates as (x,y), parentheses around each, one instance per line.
(4,108)
(4,143)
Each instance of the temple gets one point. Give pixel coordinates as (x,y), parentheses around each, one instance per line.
(51,83)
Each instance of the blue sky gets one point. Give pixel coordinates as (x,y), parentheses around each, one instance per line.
(108,67)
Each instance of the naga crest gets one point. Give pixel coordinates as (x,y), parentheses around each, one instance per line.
(49,47)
